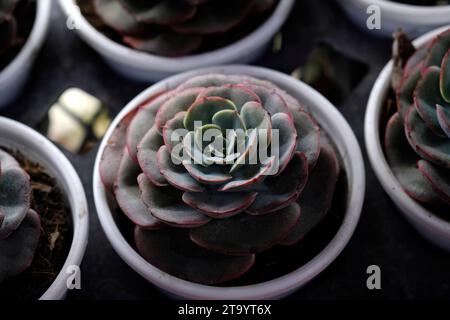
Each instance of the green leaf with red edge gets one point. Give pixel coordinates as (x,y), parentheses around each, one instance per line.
(424,141)
(17,251)
(165,204)
(173,252)
(245,234)
(317,197)
(445,77)
(403,161)
(128,195)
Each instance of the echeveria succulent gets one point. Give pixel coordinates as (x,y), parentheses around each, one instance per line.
(418,135)
(177,28)
(204,207)
(19,225)
(13,26)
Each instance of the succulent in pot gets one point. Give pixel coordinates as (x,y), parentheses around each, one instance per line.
(216,171)
(23,25)
(418,134)
(383,18)
(407,132)
(43,216)
(16,20)
(150,40)
(20,226)
(178,28)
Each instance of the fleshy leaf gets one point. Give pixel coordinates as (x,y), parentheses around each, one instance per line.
(178,103)
(203,110)
(168,43)
(173,131)
(128,196)
(213,175)
(280,191)
(427,96)
(110,162)
(287,138)
(216,17)
(248,176)
(14,194)
(445,77)
(173,252)
(405,92)
(403,162)
(17,251)
(245,234)
(427,144)
(142,122)
(114,15)
(438,177)
(147,151)
(239,94)
(317,198)
(176,175)
(272,102)
(220,205)
(443,115)
(159,12)
(165,204)
(228,119)
(437,49)
(308,136)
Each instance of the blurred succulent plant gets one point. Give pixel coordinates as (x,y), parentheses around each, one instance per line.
(203,210)
(14,26)
(176,27)
(19,225)
(418,135)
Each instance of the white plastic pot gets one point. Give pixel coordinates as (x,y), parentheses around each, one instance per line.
(37,148)
(415,20)
(146,67)
(330,120)
(428,224)
(15,75)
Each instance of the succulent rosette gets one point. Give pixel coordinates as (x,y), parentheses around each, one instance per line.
(19,224)
(13,26)
(177,27)
(205,207)
(418,135)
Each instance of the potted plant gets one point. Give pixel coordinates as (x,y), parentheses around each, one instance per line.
(43,216)
(161,38)
(414,16)
(201,220)
(24,25)
(413,161)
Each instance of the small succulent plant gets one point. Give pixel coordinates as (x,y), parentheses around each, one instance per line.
(177,28)
(14,26)
(417,137)
(204,210)
(19,225)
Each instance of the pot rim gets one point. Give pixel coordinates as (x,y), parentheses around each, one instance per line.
(410,10)
(35,39)
(269,289)
(150,62)
(63,171)
(389,181)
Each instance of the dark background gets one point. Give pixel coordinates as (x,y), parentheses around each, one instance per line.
(410,266)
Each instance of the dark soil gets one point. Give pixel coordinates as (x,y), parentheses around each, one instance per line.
(50,203)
